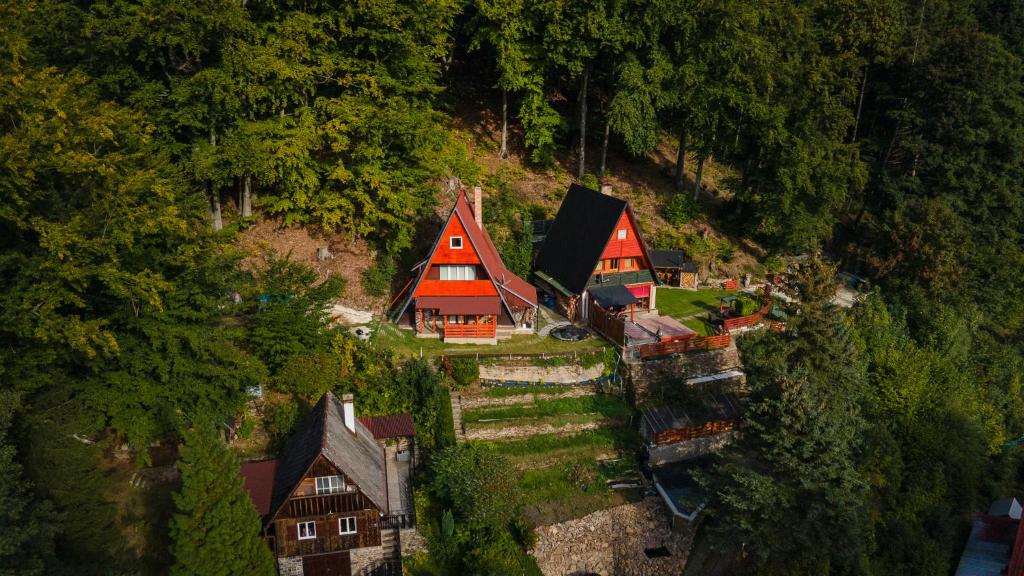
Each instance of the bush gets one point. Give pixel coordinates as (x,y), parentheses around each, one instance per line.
(464,371)
(281,421)
(680,210)
(376,278)
(308,376)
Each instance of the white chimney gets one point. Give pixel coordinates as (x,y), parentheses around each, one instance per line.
(606,189)
(478,207)
(349,410)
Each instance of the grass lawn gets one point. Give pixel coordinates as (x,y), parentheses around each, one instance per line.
(604,405)
(573,488)
(542,449)
(681,303)
(404,343)
(506,391)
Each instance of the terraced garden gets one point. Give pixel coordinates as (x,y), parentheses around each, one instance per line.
(570,446)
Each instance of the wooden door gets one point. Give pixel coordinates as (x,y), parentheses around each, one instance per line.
(333,564)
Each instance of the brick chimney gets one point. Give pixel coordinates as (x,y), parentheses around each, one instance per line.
(349,411)
(478,207)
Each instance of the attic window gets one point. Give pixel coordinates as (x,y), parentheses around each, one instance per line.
(455,242)
(347,525)
(622,234)
(307,530)
(329,484)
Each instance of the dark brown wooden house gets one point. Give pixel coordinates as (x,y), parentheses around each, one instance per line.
(328,509)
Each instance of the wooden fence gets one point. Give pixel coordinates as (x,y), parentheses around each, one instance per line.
(744,321)
(706,429)
(607,325)
(691,345)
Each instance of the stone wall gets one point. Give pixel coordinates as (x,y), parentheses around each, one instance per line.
(412,541)
(470,402)
(612,542)
(654,380)
(546,374)
(508,429)
(365,559)
(688,449)
(290,566)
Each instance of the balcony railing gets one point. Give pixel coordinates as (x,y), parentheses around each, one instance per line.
(469,331)
(401,521)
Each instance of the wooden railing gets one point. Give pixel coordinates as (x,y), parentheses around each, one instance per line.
(339,502)
(470,330)
(744,321)
(705,429)
(401,521)
(691,345)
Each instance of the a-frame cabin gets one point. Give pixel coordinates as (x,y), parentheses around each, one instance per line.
(463,292)
(594,251)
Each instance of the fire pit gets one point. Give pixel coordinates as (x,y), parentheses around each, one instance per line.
(570,333)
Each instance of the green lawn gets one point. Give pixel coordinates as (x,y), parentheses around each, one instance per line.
(575,487)
(682,303)
(604,405)
(544,448)
(404,343)
(506,391)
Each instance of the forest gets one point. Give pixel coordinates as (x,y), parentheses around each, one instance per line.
(139,138)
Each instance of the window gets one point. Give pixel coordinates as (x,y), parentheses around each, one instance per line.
(627,264)
(622,233)
(455,242)
(329,484)
(600,266)
(458,272)
(307,530)
(611,264)
(347,525)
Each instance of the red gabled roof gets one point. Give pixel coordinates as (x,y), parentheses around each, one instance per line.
(391,426)
(512,289)
(258,478)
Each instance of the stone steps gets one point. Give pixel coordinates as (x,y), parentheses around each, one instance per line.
(460,431)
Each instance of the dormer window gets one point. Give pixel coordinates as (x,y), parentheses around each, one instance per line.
(455,242)
(329,484)
(622,233)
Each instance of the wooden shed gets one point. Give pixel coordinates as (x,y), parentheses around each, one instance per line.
(674,268)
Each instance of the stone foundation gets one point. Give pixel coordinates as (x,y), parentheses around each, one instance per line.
(678,451)
(412,541)
(612,542)
(290,566)
(655,380)
(365,559)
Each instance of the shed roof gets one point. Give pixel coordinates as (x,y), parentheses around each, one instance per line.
(324,432)
(615,295)
(258,479)
(711,408)
(391,426)
(579,234)
(672,259)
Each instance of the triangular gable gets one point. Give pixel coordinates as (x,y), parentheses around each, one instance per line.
(633,239)
(480,250)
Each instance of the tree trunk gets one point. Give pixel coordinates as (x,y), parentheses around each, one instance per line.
(503,153)
(583,122)
(247,196)
(604,146)
(700,171)
(214,193)
(860,104)
(681,160)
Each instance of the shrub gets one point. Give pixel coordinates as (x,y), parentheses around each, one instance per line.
(281,421)
(464,371)
(377,277)
(680,210)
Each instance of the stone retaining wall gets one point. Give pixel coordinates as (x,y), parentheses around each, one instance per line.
(655,379)
(511,430)
(542,374)
(612,542)
(365,559)
(482,400)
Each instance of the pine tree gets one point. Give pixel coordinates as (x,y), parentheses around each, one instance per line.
(216,529)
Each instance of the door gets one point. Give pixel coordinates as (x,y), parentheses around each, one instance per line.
(333,564)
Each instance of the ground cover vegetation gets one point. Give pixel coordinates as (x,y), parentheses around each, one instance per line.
(138,136)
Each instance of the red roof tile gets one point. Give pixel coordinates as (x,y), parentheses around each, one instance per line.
(391,426)
(259,483)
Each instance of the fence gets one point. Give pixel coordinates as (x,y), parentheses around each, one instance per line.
(469,331)
(607,325)
(690,345)
(744,321)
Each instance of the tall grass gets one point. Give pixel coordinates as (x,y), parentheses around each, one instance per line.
(605,405)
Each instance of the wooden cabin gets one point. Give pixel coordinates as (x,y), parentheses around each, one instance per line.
(463,293)
(332,502)
(594,243)
(678,432)
(674,268)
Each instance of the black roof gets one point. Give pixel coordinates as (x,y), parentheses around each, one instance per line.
(612,296)
(358,455)
(581,230)
(672,259)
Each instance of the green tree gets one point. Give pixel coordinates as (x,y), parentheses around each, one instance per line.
(216,528)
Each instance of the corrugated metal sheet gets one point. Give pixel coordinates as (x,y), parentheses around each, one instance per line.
(258,478)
